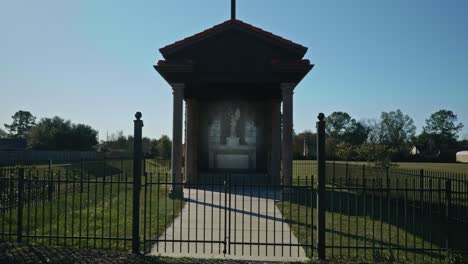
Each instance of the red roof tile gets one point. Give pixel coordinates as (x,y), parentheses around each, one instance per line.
(226,23)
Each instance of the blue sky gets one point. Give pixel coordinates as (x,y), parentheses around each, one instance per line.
(91,61)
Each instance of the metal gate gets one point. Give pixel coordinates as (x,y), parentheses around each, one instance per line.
(243,219)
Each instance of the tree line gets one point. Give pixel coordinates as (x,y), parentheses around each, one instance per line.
(120,144)
(391,137)
(53,133)
(56,133)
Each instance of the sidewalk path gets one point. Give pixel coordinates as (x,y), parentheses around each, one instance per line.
(254,218)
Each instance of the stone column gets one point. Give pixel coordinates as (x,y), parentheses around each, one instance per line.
(191,141)
(275,142)
(177,116)
(287,151)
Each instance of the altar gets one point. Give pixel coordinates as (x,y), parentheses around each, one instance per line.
(240,158)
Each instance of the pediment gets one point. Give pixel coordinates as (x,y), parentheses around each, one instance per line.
(233,41)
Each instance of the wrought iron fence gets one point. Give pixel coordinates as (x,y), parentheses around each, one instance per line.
(427,187)
(367,216)
(328,209)
(88,204)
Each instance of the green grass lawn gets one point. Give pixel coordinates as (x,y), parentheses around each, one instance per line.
(432,166)
(94,218)
(402,171)
(343,230)
(304,167)
(450,167)
(355,221)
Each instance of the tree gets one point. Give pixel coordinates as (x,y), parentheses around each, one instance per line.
(378,154)
(23,121)
(310,139)
(397,129)
(49,133)
(374,128)
(444,124)
(146,144)
(59,134)
(346,151)
(165,147)
(337,123)
(154,149)
(3,134)
(82,137)
(427,144)
(330,148)
(356,134)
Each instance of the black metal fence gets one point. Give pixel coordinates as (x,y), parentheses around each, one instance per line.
(427,187)
(342,210)
(92,208)
(88,204)
(368,215)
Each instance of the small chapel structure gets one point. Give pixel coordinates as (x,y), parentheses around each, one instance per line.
(237,82)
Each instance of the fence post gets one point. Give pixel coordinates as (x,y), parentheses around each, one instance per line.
(19,229)
(448,204)
(137,159)
(321,187)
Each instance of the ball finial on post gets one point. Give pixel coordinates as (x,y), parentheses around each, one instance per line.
(321,117)
(138,115)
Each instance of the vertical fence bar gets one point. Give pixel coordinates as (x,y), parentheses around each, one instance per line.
(421,185)
(20,204)
(225,214)
(145,207)
(448,203)
(346,174)
(137,159)
(82,175)
(51,184)
(321,187)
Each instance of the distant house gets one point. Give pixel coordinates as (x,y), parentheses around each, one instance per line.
(13,144)
(462,156)
(414,151)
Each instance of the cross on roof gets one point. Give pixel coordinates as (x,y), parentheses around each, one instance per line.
(233,9)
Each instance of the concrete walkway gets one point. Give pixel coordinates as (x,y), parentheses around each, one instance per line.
(253,218)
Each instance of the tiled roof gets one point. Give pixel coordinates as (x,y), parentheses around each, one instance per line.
(228,23)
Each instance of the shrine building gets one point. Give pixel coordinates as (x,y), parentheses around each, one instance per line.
(237,82)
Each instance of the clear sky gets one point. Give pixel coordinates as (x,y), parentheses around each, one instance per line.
(92,61)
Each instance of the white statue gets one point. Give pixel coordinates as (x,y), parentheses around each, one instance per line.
(234,118)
